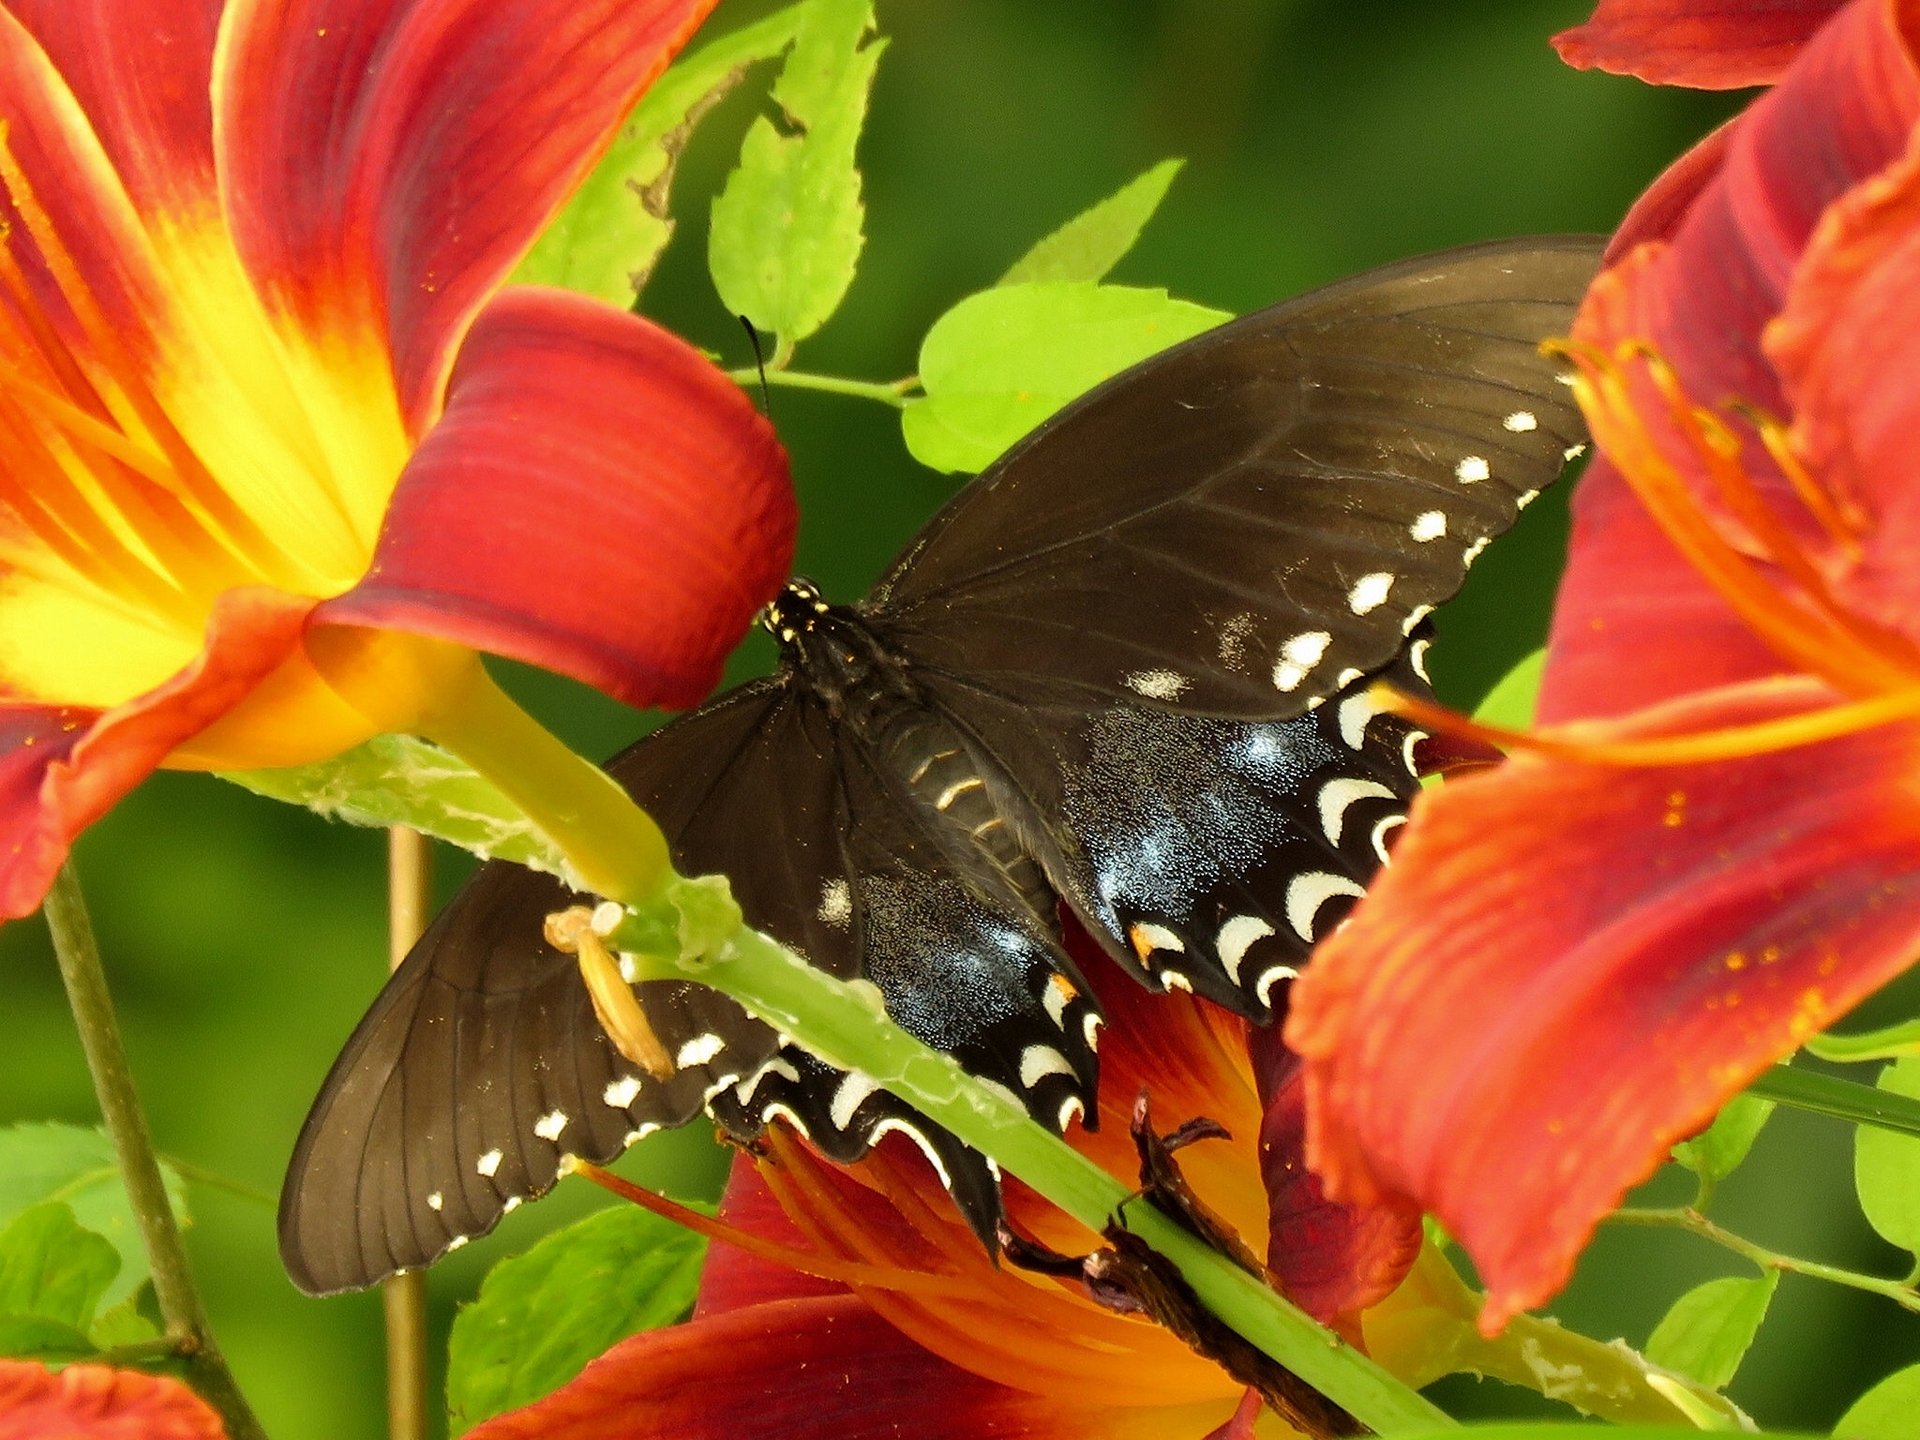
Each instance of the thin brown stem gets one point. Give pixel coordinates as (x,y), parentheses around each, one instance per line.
(404,1297)
(180,1308)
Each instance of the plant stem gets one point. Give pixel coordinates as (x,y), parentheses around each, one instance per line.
(180,1308)
(844,1025)
(888,392)
(1694,1223)
(404,1297)
(1842,1099)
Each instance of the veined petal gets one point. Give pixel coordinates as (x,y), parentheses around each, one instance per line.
(1720,45)
(92,1402)
(597,499)
(732,1279)
(435,138)
(143,83)
(826,1367)
(1848,346)
(1569,967)
(66,768)
(1330,1259)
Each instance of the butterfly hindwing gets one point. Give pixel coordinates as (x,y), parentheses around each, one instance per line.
(1251,520)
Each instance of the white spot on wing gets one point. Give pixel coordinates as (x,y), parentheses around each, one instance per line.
(1148,938)
(891,1124)
(1090,1024)
(1236,937)
(1338,796)
(549,1126)
(1474,550)
(1039,1061)
(853,1090)
(1070,1110)
(1369,592)
(512,1203)
(1414,617)
(1174,980)
(1269,979)
(488,1163)
(1521,421)
(621,1093)
(634,1137)
(836,903)
(456,1242)
(1417,655)
(1388,824)
(1356,711)
(1158,684)
(436,1200)
(1407,748)
(1472,470)
(1298,657)
(1428,525)
(1234,634)
(699,1050)
(1573,452)
(1308,892)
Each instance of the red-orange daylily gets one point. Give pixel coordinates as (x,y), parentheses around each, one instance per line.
(925,1335)
(92,1402)
(1714,849)
(268,422)
(1724,45)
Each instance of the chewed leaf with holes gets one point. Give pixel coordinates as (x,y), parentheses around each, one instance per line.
(1126,670)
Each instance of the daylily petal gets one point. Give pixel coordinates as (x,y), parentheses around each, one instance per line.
(1568,967)
(1332,1260)
(597,499)
(144,87)
(732,1279)
(1664,204)
(1847,347)
(434,139)
(1724,45)
(826,1367)
(67,768)
(92,1402)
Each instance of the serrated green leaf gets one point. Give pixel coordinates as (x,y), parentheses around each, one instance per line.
(1886,1166)
(52,1269)
(1093,242)
(1717,1151)
(787,228)
(41,1162)
(543,1315)
(34,1337)
(607,239)
(1001,361)
(1886,1412)
(1510,704)
(1710,1328)
(400,780)
(123,1324)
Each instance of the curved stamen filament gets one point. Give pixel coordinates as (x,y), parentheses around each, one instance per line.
(1841,519)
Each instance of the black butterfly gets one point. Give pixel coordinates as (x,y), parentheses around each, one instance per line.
(1124,670)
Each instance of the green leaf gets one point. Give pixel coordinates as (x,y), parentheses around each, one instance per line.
(1886,1411)
(543,1315)
(1510,704)
(1001,361)
(608,237)
(400,780)
(76,1166)
(34,1337)
(787,229)
(1093,242)
(1886,1167)
(1709,1329)
(1717,1151)
(122,1325)
(52,1269)
(1889,1043)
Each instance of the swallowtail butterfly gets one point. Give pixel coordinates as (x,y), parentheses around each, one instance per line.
(1125,671)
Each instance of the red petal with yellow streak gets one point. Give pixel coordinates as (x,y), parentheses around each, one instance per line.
(1708,44)
(1848,349)
(826,1367)
(59,776)
(403,154)
(1569,967)
(597,499)
(92,1402)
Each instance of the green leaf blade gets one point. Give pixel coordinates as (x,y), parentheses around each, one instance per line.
(789,225)
(1000,362)
(1717,1151)
(606,239)
(75,1166)
(52,1269)
(1511,702)
(1886,1412)
(1886,1166)
(1094,241)
(1709,1330)
(542,1316)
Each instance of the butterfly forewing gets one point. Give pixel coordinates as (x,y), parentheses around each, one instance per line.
(1249,521)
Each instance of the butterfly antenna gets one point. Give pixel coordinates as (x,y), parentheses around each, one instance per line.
(760,363)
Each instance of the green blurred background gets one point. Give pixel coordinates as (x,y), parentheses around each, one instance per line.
(1323,137)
